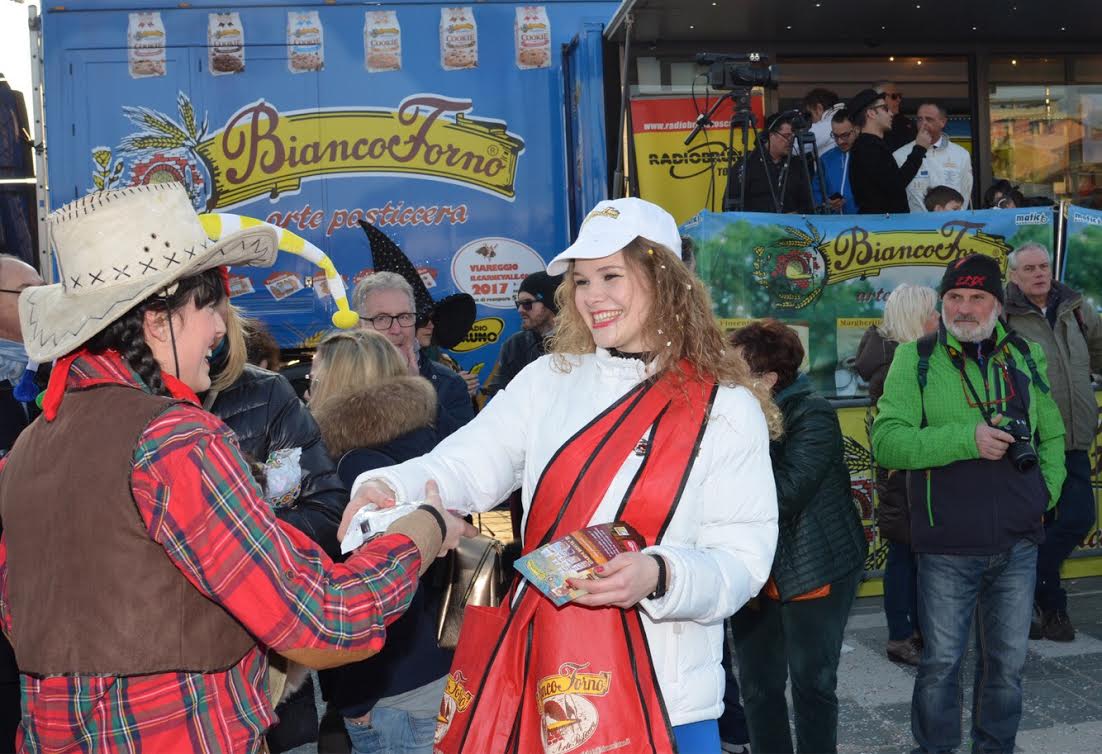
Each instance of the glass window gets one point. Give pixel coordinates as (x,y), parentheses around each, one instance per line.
(1046,134)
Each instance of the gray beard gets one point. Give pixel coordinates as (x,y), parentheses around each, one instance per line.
(968,332)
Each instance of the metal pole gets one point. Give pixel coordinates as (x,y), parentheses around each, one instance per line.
(621,137)
(42,187)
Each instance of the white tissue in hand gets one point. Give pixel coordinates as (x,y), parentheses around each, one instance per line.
(368,522)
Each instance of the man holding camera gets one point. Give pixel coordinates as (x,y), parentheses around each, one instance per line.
(1056,317)
(776,179)
(967,413)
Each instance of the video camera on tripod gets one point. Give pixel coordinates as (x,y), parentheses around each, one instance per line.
(728,72)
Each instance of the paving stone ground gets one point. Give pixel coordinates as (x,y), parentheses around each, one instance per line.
(1062,685)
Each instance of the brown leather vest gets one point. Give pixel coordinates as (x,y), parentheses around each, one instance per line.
(89,591)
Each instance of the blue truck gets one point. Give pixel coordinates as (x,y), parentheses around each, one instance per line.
(472,136)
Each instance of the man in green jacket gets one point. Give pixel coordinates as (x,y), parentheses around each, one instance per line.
(968,414)
(1055,316)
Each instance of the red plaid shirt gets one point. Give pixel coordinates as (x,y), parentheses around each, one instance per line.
(199,501)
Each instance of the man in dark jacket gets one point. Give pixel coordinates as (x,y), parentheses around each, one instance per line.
(776,178)
(1053,315)
(15,276)
(903,128)
(879,184)
(976,513)
(536,302)
(385,301)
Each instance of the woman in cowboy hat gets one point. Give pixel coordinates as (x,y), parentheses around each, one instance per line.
(148,631)
(641,414)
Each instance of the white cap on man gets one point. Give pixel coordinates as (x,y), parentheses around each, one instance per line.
(612,225)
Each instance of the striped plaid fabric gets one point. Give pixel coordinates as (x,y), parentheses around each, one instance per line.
(217,529)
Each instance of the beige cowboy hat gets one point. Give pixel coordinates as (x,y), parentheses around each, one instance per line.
(114,249)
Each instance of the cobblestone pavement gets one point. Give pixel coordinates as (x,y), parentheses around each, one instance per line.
(1063,685)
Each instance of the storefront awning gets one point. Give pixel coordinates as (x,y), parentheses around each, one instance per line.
(870,23)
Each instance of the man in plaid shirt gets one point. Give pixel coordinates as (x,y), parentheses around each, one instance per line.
(249,577)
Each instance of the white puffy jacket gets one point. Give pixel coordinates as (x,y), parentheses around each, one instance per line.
(719,544)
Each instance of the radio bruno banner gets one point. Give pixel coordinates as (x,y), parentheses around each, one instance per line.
(685,179)
(829,275)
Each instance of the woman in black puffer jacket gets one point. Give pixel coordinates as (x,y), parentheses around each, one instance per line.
(909,314)
(373,414)
(266,414)
(794,628)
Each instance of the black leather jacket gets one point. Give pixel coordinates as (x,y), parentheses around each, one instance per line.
(266,414)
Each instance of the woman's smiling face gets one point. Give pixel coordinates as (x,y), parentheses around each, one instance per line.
(614,301)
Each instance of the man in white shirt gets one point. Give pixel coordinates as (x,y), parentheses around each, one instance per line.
(945,163)
(822,104)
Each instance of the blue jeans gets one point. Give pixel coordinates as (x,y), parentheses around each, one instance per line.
(900,592)
(1065,527)
(697,738)
(403,724)
(998,589)
(392,731)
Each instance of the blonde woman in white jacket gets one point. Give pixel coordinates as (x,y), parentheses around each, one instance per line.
(640,414)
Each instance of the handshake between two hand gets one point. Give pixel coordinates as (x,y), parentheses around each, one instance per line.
(376,495)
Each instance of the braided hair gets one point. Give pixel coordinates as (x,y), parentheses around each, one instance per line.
(126,335)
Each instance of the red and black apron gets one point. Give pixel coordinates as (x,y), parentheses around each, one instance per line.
(530,677)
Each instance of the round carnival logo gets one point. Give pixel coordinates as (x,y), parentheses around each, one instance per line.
(792,269)
(491,269)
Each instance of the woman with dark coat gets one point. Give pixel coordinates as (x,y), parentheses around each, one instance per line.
(795,626)
(372,414)
(909,314)
(263,410)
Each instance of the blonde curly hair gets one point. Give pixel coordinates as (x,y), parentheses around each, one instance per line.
(680,321)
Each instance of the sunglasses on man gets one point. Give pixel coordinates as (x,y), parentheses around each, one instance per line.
(525,305)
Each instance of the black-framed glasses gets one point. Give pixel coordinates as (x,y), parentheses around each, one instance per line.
(842,136)
(384,321)
(525,305)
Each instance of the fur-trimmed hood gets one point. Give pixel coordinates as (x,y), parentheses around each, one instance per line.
(376,415)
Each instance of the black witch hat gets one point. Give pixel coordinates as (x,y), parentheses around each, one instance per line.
(452,316)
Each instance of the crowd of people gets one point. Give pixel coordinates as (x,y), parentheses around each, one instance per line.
(868,158)
(619,400)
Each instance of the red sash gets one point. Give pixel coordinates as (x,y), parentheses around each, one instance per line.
(532,677)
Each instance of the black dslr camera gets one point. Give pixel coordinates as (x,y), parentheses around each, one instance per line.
(1020,452)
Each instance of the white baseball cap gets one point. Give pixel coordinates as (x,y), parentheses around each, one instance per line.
(612,225)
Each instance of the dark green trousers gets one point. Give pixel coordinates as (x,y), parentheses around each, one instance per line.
(801,640)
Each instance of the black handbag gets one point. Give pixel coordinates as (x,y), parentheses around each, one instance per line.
(475,576)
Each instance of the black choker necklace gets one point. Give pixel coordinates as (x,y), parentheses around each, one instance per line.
(643,356)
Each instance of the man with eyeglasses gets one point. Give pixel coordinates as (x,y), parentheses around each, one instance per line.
(879,183)
(903,129)
(836,166)
(776,179)
(385,302)
(535,301)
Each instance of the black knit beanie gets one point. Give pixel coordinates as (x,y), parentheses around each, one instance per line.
(541,287)
(976,271)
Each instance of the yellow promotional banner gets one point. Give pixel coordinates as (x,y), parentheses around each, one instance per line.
(262,151)
(684,179)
